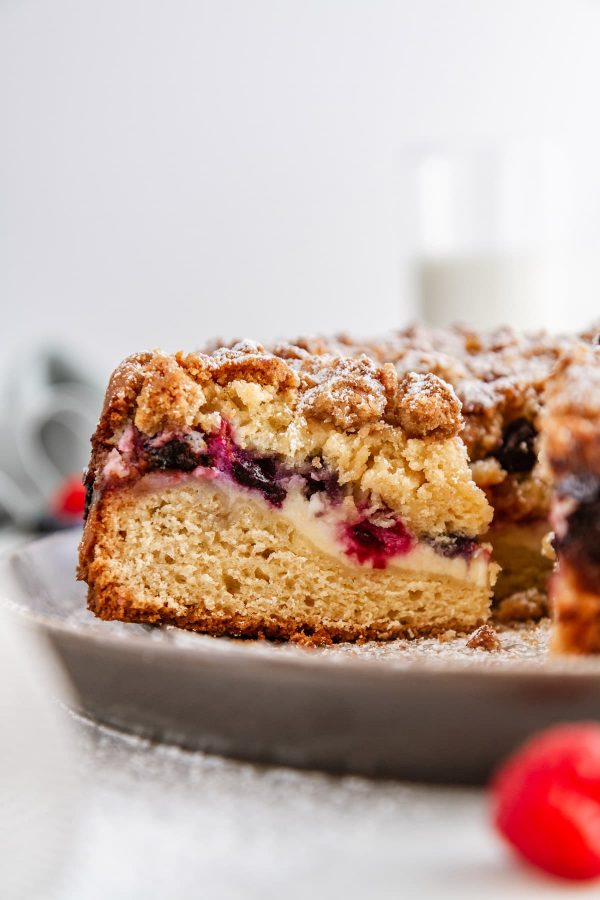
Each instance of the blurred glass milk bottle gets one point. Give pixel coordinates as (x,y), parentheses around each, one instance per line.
(494,238)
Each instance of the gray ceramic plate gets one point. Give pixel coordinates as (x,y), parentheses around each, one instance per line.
(424,710)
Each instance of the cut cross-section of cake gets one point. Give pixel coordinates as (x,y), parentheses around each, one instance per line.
(288,495)
(571,440)
(500,378)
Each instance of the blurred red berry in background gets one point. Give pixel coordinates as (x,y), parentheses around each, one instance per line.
(546,801)
(69,501)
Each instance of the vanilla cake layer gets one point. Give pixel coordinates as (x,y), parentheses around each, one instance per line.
(203,556)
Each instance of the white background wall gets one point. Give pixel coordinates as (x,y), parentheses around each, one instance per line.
(172,169)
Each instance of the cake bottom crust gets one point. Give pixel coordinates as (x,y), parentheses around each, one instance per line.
(198,558)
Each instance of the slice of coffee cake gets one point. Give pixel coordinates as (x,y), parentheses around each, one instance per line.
(291,494)
(571,433)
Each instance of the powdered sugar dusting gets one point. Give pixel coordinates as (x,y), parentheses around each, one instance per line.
(519,643)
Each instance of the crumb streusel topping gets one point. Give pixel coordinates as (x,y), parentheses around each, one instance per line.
(393,437)
(347,391)
(499,376)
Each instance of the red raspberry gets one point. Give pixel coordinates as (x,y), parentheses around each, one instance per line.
(69,501)
(546,801)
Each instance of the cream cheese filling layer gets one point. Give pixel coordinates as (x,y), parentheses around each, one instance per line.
(321,527)
(320,522)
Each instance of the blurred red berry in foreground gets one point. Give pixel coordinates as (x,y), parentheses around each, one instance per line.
(546,801)
(69,501)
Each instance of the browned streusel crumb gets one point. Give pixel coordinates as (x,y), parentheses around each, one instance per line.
(524,606)
(427,406)
(485,638)
(347,393)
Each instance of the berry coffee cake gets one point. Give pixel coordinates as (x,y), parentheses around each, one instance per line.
(287,494)
(337,490)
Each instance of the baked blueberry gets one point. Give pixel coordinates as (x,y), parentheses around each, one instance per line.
(517,450)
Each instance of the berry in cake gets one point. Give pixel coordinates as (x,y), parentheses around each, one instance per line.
(284,494)
(68,504)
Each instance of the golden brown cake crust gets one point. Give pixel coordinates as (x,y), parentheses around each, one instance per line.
(115,604)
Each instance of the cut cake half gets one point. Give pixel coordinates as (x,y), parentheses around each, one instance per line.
(290,494)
